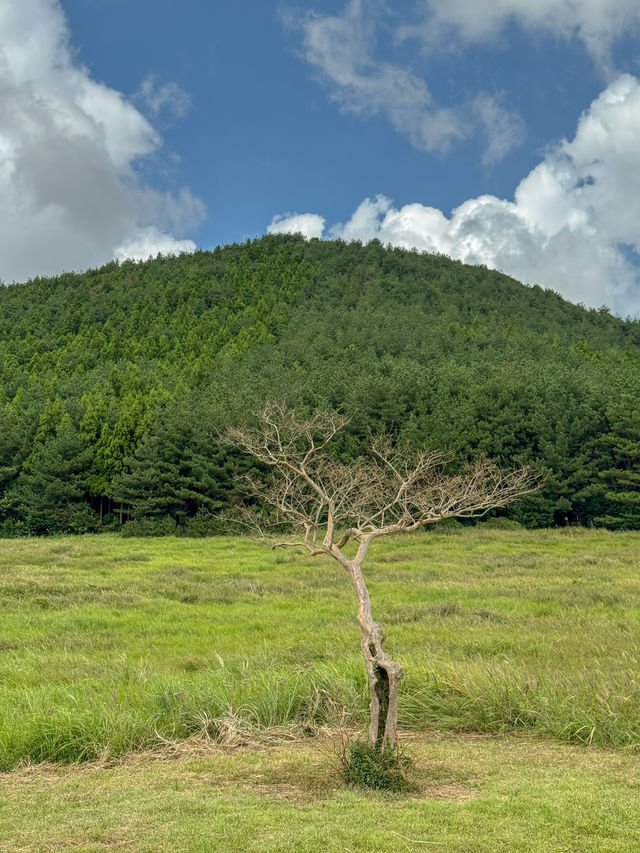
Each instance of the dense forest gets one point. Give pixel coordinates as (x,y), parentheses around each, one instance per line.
(115,383)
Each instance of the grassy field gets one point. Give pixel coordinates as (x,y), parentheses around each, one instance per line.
(162,668)
(478,794)
(109,645)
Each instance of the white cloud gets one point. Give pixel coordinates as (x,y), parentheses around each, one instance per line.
(309,224)
(504,130)
(69,192)
(166,99)
(596,22)
(569,226)
(342,49)
(149,242)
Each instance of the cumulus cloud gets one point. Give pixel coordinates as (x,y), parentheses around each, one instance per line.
(149,242)
(596,22)
(574,223)
(69,192)
(308,224)
(342,50)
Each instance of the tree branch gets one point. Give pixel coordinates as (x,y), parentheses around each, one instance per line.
(332,502)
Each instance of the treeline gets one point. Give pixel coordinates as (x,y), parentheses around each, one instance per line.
(115,383)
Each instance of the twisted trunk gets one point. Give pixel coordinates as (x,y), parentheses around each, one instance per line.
(384,674)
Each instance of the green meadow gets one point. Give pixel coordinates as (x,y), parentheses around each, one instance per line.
(477,794)
(175,694)
(111,645)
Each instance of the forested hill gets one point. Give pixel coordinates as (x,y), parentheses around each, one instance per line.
(115,381)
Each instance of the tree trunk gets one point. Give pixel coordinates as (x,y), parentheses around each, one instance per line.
(383,673)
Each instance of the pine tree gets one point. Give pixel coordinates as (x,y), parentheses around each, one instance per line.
(620,481)
(50,493)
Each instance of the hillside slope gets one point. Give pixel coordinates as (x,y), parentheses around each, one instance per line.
(114,382)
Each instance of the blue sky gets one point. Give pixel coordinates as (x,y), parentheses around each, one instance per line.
(500,133)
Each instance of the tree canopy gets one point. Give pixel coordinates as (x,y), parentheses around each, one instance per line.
(115,383)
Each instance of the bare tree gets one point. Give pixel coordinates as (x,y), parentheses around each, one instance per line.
(323,504)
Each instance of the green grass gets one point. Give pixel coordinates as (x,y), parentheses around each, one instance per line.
(475,794)
(108,645)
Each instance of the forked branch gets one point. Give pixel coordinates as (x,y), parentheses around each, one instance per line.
(394,489)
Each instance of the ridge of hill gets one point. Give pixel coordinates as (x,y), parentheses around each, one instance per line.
(113,382)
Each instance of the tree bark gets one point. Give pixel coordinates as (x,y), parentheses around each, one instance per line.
(383,673)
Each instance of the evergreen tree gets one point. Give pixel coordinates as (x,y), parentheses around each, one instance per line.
(620,480)
(178,470)
(49,496)
(446,355)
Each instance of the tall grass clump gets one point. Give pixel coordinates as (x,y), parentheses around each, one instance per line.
(501,698)
(368,766)
(48,727)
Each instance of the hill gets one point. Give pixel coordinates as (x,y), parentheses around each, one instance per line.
(113,382)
